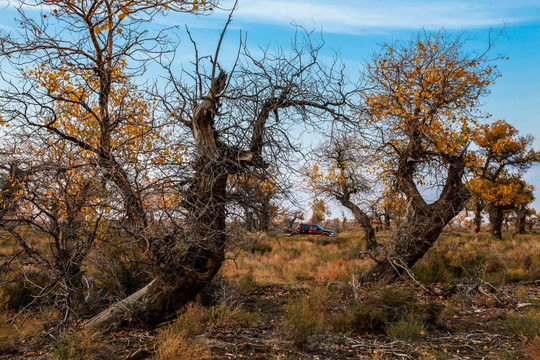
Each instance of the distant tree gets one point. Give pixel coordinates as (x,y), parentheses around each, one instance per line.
(319,211)
(461,219)
(336,173)
(256,196)
(500,151)
(290,216)
(505,193)
(533,218)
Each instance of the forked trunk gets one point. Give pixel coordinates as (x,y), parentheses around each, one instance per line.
(422,227)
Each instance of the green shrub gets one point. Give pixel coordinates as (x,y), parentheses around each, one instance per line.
(383,311)
(247,283)
(527,325)
(431,312)
(261,247)
(79,346)
(396,297)
(305,316)
(365,318)
(437,270)
(408,328)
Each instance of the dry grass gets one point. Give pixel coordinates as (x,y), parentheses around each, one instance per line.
(298,262)
(316,297)
(178,345)
(532,349)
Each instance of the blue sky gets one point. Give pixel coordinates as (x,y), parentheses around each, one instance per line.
(356,28)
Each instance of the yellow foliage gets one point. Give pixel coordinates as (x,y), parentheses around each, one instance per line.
(424,100)
(506,191)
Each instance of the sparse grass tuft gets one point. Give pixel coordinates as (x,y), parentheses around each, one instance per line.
(527,325)
(532,349)
(247,282)
(78,346)
(224,315)
(261,247)
(408,328)
(178,345)
(178,341)
(191,321)
(305,316)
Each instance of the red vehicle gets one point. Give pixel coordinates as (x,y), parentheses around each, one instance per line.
(310,229)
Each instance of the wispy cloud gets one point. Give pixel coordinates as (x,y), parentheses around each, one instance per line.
(357,16)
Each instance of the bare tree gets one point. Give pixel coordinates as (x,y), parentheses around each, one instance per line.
(54,214)
(70,84)
(255,195)
(81,93)
(335,172)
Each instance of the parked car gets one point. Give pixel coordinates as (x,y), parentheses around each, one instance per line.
(310,229)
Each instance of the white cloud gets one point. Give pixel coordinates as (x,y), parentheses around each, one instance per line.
(350,16)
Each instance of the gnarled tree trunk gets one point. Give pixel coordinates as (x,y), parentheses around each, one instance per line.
(478,208)
(186,266)
(422,227)
(184,263)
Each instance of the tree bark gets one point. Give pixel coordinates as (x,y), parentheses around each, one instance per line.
(387,218)
(363,219)
(423,226)
(521,219)
(496,219)
(184,261)
(478,208)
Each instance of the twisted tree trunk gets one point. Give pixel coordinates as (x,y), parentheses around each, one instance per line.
(184,264)
(422,227)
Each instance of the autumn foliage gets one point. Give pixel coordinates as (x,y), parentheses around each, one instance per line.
(503,157)
(111,182)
